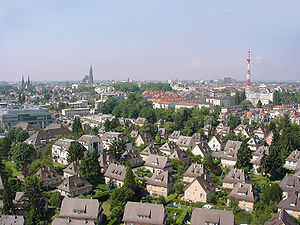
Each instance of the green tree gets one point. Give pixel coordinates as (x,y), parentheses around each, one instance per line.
(234,121)
(35,204)
(237,98)
(23,153)
(75,152)
(208,161)
(129,177)
(272,193)
(276,98)
(22,136)
(179,187)
(55,199)
(244,157)
(259,104)
(117,148)
(89,167)
(77,127)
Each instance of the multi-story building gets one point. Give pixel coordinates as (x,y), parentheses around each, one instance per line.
(36,116)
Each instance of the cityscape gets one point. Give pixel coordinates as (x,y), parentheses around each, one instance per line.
(113,138)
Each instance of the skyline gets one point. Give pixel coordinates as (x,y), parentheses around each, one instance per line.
(185,40)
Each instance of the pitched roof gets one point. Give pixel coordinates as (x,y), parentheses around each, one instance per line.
(184,141)
(290,183)
(291,202)
(179,154)
(73,168)
(160,178)
(11,219)
(235,176)
(205,182)
(25,126)
(64,142)
(243,192)
(47,174)
(206,216)
(116,172)
(151,149)
(74,183)
(281,218)
(69,221)
(157,161)
(87,139)
(169,146)
(144,213)
(195,170)
(294,156)
(80,208)
(175,135)
(141,120)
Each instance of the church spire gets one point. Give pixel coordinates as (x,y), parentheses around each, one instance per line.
(91,75)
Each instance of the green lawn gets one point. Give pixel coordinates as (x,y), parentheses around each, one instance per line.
(11,166)
(106,209)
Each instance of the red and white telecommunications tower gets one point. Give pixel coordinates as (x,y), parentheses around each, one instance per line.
(248,71)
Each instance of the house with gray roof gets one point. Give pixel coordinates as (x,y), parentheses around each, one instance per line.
(174,136)
(144,214)
(186,143)
(292,160)
(234,177)
(116,174)
(181,155)
(105,160)
(289,184)
(168,147)
(195,170)
(291,203)
(72,169)
(161,183)
(198,138)
(60,150)
(68,221)
(203,216)
(217,142)
(150,150)
(132,156)
(84,210)
(229,155)
(281,218)
(201,149)
(140,121)
(11,220)
(245,195)
(49,176)
(91,143)
(74,185)
(143,139)
(158,162)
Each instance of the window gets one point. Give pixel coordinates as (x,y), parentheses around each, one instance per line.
(162,188)
(132,223)
(201,195)
(189,193)
(195,188)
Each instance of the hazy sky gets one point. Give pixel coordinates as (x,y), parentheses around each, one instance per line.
(149,39)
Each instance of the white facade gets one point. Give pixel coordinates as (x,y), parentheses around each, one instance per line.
(75,112)
(60,151)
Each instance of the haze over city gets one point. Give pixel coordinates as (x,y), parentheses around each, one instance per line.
(152,40)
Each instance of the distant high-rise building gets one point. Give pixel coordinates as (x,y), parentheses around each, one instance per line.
(23,83)
(227,80)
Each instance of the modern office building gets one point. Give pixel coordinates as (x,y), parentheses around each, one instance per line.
(13,114)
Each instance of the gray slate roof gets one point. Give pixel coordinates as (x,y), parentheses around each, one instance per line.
(243,192)
(158,162)
(144,213)
(116,172)
(74,183)
(11,220)
(290,183)
(195,170)
(235,176)
(281,218)
(206,216)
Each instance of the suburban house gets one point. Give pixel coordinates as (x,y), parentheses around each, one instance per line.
(132,156)
(186,143)
(289,184)
(27,126)
(143,139)
(195,170)
(292,160)
(203,216)
(11,219)
(140,121)
(161,183)
(109,137)
(199,189)
(60,150)
(168,147)
(105,160)
(181,155)
(234,177)
(48,135)
(74,185)
(229,156)
(291,204)
(49,176)
(254,143)
(208,129)
(72,169)
(20,200)
(257,156)
(91,143)
(261,132)
(115,174)
(144,214)
(163,132)
(198,138)
(174,136)
(217,142)
(150,150)
(245,195)
(243,130)
(201,149)
(223,129)
(83,210)
(281,218)
(158,162)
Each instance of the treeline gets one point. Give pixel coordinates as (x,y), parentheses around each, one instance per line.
(286,97)
(188,121)
(133,87)
(239,97)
